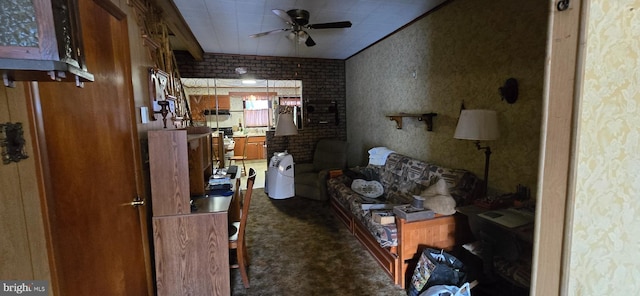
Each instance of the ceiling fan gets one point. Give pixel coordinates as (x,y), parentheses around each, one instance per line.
(298,20)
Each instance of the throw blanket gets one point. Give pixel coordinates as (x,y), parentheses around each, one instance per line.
(378,155)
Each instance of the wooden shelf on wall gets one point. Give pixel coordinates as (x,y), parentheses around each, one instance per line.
(427,118)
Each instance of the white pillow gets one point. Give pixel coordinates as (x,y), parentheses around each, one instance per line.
(438,199)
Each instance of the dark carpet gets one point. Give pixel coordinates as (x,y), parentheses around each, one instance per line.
(298,246)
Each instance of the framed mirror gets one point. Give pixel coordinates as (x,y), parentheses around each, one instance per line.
(242,106)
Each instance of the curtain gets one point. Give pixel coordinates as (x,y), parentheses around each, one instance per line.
(256,110)
(256,118)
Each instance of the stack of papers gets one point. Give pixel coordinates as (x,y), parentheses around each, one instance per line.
(219,180)
(219,173)
(509,217)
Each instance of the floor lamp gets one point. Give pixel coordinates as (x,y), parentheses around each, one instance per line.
(286,127)
(479,125)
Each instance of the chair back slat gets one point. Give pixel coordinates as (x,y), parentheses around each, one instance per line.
(246,202)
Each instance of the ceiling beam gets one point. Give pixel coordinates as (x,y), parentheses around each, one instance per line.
(179,28)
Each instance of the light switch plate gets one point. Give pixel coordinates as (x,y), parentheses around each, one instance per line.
(144,114)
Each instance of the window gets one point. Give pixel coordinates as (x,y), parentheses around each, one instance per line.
(256,110)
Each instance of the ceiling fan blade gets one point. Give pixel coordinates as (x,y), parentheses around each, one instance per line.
(310,42)
(268,33)
(334,25)
(283,15)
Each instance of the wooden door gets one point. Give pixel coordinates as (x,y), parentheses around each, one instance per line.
(91,164)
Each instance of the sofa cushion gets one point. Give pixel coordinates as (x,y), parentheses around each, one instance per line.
(403,177)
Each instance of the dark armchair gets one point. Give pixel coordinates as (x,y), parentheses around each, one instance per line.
(311,178)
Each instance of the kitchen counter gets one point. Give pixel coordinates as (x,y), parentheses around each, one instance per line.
(252,134)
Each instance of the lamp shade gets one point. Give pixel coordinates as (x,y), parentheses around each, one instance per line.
(285,126)
(478,125)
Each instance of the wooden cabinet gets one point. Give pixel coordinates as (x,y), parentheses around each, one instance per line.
(199,162)
(200,103)
(192,254)
(237,149)
(179,163)
(255,147)
(191,249)
(42,42)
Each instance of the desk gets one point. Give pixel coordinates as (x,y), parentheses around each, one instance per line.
(213,204)
(192,250)
(524,232)
(504,251)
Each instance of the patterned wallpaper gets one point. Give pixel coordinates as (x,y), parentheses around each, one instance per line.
(605,231)
(462,52)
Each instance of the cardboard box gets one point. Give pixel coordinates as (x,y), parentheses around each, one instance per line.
(383,217)
(410,213)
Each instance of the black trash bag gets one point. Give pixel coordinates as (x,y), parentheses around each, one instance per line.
(436,267)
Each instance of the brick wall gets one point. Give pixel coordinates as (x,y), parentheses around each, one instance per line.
(323,83)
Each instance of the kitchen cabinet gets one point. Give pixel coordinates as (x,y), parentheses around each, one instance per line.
(199,103)
(42,42)
(237,149)
(255,146)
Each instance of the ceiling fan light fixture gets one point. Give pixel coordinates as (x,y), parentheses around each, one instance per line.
(298,20)
(302,36)
(298,36)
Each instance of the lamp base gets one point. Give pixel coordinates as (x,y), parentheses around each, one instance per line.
(487,157)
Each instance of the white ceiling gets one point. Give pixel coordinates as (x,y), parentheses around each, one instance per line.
(224,26)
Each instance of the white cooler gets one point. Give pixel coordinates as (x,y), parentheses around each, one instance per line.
(280,176)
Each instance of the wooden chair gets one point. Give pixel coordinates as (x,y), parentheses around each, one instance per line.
(235,206)
(237,240)
(242,157)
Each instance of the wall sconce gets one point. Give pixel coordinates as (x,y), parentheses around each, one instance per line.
(164,110)
(509,91)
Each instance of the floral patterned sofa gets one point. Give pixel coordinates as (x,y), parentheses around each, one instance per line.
(395,245)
